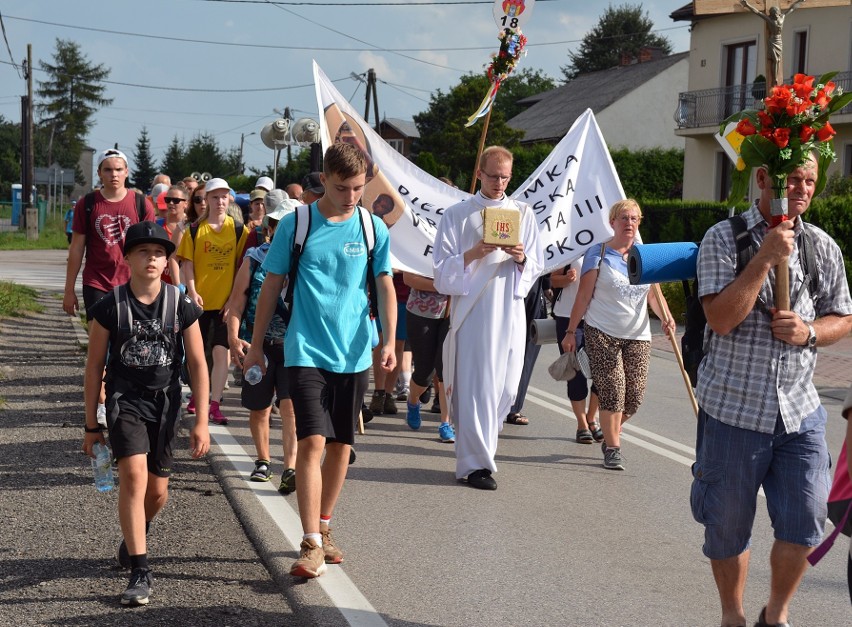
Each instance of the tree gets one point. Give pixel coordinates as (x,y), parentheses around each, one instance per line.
(625,29)
(144,170)
(10,156)
(69,99)
(173,160)
(447,148)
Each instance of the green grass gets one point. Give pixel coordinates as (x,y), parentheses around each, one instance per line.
(51,238)
(17,300)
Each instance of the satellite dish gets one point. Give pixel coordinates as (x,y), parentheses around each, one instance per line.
(275,134)
(306,131)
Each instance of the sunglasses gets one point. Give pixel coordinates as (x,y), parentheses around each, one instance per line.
(198,199)
(174,201)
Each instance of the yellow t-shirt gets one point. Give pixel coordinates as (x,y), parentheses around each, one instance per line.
(214,256)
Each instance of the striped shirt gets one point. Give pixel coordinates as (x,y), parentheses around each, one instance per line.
(747,376)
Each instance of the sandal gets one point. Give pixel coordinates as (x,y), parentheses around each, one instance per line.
(584,436)
(597,432)
(517,419)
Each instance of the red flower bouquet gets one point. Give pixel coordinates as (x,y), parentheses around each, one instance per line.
(793,124)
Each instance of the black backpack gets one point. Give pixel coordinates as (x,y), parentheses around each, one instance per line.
(692,342)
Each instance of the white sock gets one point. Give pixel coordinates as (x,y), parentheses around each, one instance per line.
(405,375)
(316,537)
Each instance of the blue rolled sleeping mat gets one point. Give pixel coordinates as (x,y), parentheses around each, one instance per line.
(661,263)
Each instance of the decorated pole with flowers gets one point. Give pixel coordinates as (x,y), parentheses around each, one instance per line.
(792,126)
(510,15)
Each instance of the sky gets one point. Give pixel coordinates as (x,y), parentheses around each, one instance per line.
(184,67)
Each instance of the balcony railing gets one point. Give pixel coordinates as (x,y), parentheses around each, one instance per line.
(708,107)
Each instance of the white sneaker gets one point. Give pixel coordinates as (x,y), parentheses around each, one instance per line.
(102,415)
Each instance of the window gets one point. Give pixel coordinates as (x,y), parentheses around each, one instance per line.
(800,52)
(740,69)
(397,144)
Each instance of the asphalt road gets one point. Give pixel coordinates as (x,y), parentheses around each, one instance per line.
(561,542)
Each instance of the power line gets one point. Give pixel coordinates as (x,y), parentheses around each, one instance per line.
(8,47)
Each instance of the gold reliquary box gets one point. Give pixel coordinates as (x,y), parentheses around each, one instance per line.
(501,226)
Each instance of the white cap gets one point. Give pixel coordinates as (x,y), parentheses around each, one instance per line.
(214,184)
(109,153)
(265,182)
(286,206)
(158,189)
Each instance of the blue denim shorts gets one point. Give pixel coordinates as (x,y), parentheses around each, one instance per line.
(733,463)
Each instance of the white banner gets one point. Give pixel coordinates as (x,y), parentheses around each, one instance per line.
(570,192)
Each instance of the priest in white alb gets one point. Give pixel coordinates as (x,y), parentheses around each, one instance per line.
(487,283)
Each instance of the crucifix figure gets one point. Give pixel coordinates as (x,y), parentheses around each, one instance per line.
(774,25)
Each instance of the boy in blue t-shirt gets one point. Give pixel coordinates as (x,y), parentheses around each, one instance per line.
(327,347)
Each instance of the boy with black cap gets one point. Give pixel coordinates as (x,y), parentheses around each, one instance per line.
(147,326)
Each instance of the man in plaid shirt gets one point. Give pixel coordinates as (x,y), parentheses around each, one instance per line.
(761,421)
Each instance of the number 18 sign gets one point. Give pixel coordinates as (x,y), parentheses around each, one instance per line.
(512,14)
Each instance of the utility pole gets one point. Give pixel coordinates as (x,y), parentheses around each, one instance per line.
(371,89)
(27,138)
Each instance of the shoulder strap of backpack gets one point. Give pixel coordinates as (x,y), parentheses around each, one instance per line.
(370,240)
(742,240)
(140,206)
(88,205)
(807,259)
(124,317)
(300,236)
(193,231)
(168,315)
(238,230)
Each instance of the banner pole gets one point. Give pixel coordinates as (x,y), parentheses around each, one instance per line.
(481,147)
(658,293)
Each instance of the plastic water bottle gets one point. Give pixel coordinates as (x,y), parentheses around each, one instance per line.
(254,374)
(102,468)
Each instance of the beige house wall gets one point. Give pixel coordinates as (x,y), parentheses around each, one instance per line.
(645,117)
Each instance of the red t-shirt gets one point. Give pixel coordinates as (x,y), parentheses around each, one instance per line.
(104,229)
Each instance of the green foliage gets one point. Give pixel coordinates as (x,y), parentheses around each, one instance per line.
(650,173)
(447,148)
(525,161)
(17,300)
(51,238)
(69,99)
(625,29)
(838,185)
(832,215)
(144,170)
(202,154)
(10,157)
(443,134)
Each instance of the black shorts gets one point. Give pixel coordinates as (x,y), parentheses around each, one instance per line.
(137,426)
(327,403)
(427,341)
(214,330)
(274,382)
(91,295)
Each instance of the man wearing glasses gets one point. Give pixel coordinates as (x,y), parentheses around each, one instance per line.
(487,284)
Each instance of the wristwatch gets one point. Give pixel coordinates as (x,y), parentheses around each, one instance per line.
(811,336)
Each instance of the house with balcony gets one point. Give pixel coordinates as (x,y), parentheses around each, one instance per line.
(727,63)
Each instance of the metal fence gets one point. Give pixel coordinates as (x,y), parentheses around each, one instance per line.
(709,107)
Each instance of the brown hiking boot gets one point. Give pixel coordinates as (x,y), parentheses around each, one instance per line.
(311,562)
(333,555)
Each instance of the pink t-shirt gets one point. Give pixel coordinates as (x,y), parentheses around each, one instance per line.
(104,229)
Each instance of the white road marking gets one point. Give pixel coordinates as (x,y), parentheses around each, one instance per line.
(354,606)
